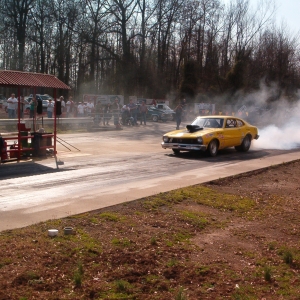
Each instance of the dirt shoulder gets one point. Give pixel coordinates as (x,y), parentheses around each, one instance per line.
(234,238)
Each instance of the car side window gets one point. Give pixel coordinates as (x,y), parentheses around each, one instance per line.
(239,123)
(230,123)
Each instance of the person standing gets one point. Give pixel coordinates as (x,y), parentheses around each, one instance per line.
(143,111)
(184,109)
(178,111)
(32,107)
(98,112)
(116,113)
(80,110)
(50,108)
(12,102)
(89,107)
(68,106)
(107,114)
(63,104)
(133,111)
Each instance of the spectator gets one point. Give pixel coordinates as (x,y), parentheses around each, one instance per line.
(11,106)
(32,107)
(184,109)
(133,111)
(153,102)
(89,107)
(69,106)
(125,114)
(178,111)
(116,113)
(143,112)
(107,114)
(63,104)
(50,108)
(80,110)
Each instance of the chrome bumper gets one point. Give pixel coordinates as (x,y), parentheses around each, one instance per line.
(186,147)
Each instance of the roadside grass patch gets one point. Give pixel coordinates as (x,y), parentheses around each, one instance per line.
(78,275)
(180,295)
(288,255)
(202,270)
(110,216)
(172,262)
(5,261)
(197,219)
(123,242)
(153,241)
(201,195)
(267,273)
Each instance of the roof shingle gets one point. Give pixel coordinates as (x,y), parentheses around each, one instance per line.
(27,79)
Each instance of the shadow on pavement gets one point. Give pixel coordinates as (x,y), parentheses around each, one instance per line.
(231,155)
(24,169)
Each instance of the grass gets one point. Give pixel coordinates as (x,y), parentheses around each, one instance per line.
(197,219)
(173,251)
(201,195)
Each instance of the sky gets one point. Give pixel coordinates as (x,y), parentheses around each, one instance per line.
(287,12)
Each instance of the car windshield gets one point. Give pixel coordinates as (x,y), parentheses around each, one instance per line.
(209,122)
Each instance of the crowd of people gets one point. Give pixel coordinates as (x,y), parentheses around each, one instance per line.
(122,115)
(128,114)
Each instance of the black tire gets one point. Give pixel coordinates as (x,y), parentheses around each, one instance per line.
(245,146)
(155,118)
(212,148)
(176,151)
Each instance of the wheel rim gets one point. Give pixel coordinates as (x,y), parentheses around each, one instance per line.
(213,147)
(246,142)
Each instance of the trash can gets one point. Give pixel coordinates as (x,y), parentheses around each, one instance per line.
(39,142)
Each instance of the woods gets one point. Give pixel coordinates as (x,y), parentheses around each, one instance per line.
(151,48)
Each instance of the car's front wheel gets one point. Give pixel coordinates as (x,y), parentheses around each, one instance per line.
(213,148)
(245,146)
(155,118)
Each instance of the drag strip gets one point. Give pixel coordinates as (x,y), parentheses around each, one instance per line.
(110,168)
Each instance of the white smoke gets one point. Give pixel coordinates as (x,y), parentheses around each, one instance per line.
(277,118)
(283,138)
(283,131)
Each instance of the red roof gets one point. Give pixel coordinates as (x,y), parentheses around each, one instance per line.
(27,79)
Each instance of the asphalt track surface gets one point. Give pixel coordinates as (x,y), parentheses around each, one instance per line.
(113,167)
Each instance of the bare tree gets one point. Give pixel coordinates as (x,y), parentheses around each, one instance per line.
(16,12)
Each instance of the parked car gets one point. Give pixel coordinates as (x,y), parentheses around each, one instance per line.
(156,114)
(4,105)
(43,98)
(2,99)
(166,108)
(211,133)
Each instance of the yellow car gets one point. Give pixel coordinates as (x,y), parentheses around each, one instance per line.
(211,133)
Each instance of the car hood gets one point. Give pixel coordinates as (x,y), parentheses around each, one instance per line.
(185,133)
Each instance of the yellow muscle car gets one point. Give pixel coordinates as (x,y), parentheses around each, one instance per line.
(211,133)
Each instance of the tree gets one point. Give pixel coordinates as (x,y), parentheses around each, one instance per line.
(16,13)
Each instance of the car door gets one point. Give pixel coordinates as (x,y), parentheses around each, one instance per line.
(232,133)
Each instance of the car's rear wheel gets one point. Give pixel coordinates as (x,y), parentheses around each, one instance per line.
(213,148)
(176,151)
(155,118)
(245,146)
